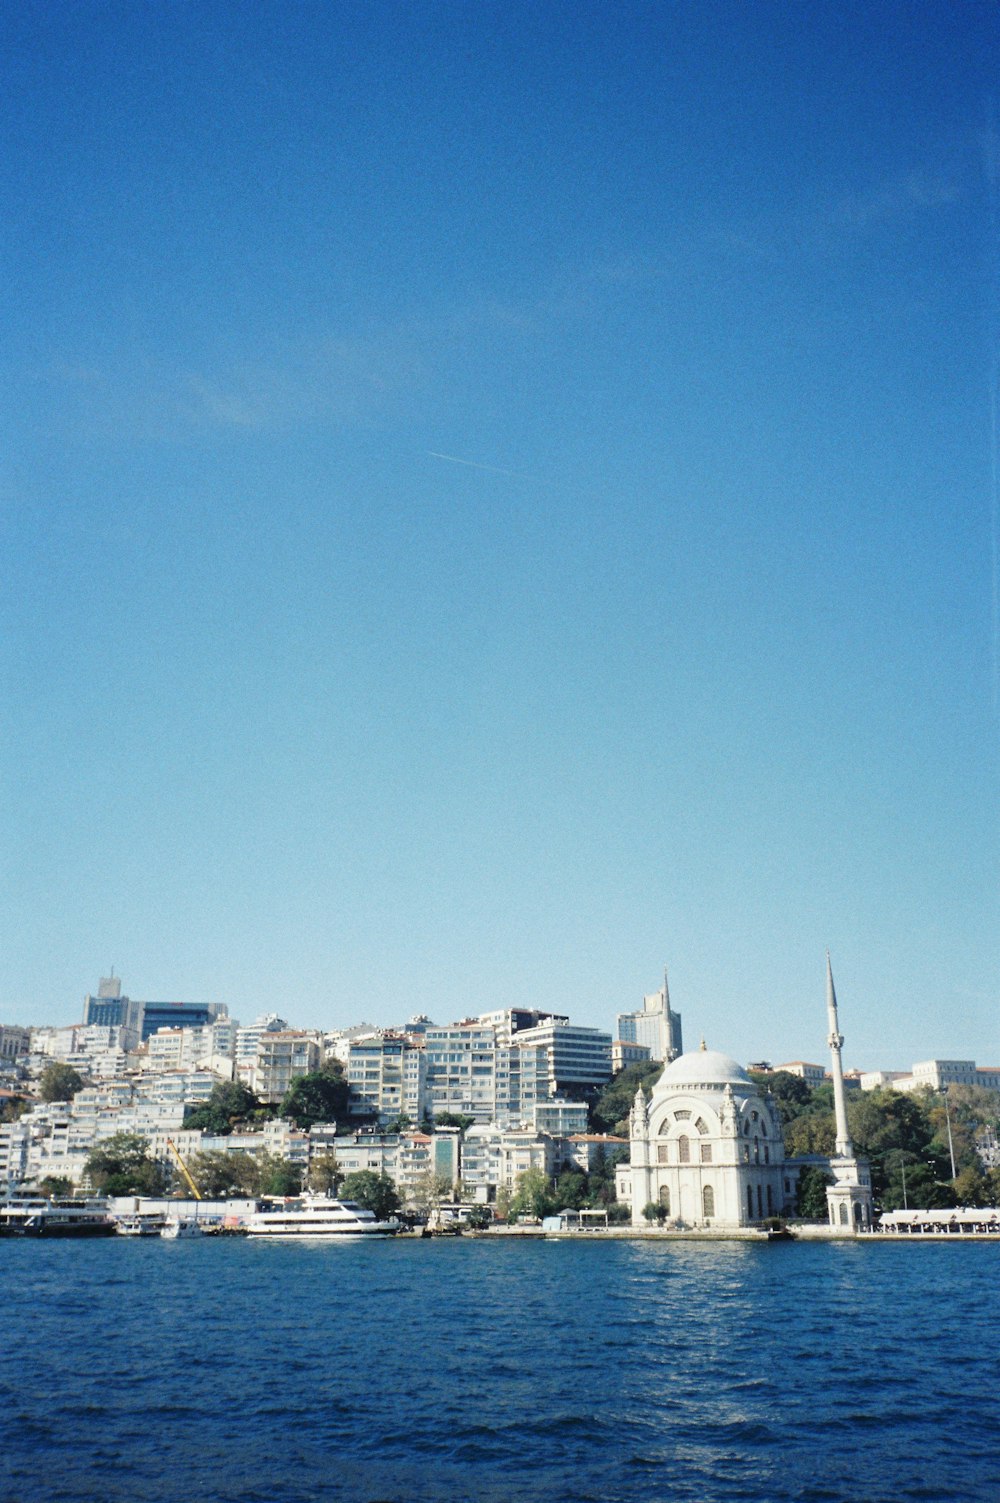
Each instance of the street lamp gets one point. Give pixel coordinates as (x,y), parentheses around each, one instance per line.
(947,1118)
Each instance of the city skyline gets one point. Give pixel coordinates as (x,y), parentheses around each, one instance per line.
(498,500)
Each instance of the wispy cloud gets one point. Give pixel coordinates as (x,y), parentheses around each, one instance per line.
(898,197)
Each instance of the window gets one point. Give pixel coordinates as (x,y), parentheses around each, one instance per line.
(665,1198)
(706,1153)
(682,1116)
(750,1201)
(701,1126)
(662,1153)
(683,1150)
(770,1201)
(746,1128)
(708,1201)
(843,1214)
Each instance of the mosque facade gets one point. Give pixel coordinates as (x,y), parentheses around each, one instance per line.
(706,1148)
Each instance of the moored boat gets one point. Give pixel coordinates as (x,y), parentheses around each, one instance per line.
(139,1225)
(321,1218)
(62,1217)
(182,1226)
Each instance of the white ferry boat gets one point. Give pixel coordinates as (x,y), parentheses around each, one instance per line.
(321,1218)
(62,1217)
(139,1225)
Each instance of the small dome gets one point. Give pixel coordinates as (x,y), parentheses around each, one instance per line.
(703,1067)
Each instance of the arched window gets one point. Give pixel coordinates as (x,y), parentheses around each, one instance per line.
(746,1128)
(683,1150)
(843,1213)
(665,1198)
(684,1116)
(706,1153)
(701,1125)
(760,1202)
(750,1201)
(767,1154)
(770,1201)
(756,1150)
(708,1201)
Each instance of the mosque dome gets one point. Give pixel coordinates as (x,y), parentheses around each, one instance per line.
(703,1067)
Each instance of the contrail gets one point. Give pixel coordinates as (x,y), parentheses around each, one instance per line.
(491,469)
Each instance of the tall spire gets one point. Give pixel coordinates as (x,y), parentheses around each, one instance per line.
(845,1148)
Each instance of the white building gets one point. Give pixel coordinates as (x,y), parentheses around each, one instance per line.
(576,1059)
(386,1077)
(14,1041)
(656,1025)
(283,1056)
(813,1075)
(624,1054)
(706,1146)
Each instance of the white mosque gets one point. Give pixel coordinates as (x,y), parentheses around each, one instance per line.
(706,1146)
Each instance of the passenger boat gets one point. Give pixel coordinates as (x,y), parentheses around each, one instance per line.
(139,1225)
(318,1217)
(62,1217)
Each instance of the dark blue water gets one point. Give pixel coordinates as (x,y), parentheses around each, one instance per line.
(242,1372)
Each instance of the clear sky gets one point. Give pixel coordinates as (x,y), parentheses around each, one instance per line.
(499,497)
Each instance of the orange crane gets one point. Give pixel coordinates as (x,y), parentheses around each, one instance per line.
(184,1169)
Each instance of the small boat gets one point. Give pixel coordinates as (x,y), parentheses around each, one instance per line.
(319,1217)
(182,1226)
(62,1217)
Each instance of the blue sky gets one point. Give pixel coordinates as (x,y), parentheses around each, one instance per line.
(685,654)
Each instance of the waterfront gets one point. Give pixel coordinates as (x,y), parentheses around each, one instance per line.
(239,1372)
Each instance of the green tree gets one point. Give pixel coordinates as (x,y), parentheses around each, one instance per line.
(229,1103)
(653,1211)
(121,1165)
(429,1190)
(601,1179)
(59,1082)
(319,1097)
(571,1190)
(12,1108)
(453,1119)
(609,1112)
(54,1185)
(325,1174)
(811,1194)
(278,1176)
(814,1132)
(376,1192)
(792,1096)
(971,1188)
(221,1176)
(532,1196)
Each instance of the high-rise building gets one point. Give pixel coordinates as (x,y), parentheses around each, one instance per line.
(657,1026)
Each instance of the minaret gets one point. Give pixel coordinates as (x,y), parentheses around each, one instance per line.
(668,1048)
(845,1148)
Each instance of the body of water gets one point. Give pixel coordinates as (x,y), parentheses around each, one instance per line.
(230,1371)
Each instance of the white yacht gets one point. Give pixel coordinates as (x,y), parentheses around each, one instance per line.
(321,1218)
(182,1226)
